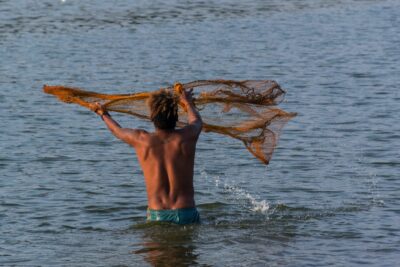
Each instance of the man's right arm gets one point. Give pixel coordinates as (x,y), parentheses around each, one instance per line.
(194,119)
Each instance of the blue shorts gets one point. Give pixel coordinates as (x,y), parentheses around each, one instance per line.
(178,216)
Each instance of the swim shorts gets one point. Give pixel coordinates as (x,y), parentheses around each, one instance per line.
(178,216)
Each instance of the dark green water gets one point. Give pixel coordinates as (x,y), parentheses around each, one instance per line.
(72,195)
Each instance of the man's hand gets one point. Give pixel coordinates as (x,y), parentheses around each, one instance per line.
(187,97)
(194,118)
(98,109)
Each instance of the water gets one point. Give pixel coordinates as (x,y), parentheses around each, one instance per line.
(72,195)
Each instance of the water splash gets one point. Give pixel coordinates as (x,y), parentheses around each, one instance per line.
(252,202)
(371,180)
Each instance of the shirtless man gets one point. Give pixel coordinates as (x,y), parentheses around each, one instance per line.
(166,156)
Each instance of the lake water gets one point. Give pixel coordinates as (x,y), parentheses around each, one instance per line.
(73,195)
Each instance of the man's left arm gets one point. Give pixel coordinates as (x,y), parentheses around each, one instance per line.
(129,136)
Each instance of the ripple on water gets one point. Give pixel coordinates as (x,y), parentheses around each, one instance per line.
(328,197)
(105,209)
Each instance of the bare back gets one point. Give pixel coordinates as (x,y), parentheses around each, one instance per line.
(167,160)
(166,157)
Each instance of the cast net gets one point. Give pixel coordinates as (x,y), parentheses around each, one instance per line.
(244,110)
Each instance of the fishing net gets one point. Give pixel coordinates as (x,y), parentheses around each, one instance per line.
(244,110)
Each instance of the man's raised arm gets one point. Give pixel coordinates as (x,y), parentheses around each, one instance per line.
(127,135)
(194,118)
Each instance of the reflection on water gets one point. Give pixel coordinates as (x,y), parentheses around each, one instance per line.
(238,232)
(168,245)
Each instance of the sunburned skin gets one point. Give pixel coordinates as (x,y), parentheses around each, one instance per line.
(166,157)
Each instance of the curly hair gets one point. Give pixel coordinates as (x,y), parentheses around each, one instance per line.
(163,106)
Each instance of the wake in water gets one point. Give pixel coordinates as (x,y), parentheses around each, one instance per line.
(234,191)
(271,212)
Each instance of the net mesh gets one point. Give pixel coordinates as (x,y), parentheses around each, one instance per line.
(244,110)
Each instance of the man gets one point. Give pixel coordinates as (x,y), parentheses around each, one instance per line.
(166,156)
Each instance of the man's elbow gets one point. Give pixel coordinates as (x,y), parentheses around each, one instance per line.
(198,124)
(201,124)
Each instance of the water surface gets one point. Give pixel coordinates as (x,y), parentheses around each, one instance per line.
(73,195)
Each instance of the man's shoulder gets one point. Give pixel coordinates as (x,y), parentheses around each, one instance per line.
(136,132)
(142,134)
(141,131)
(136,135)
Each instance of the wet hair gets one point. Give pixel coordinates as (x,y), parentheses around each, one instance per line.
(163,109)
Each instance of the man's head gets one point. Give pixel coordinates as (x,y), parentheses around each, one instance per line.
(163,109)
